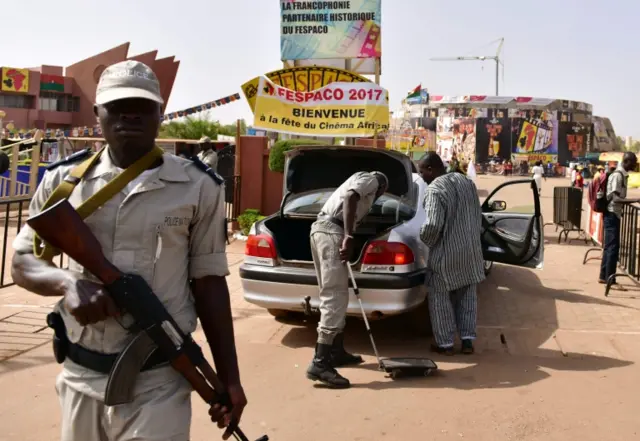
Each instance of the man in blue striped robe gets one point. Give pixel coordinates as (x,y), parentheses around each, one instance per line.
(455,264)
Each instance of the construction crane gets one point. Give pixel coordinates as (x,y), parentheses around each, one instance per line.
(496,58)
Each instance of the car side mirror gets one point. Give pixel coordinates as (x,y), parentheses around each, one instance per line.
(498,206)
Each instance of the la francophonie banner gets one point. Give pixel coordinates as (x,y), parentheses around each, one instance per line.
(338,109)
(330,29)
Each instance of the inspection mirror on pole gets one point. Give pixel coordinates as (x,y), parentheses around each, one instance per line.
(396,367)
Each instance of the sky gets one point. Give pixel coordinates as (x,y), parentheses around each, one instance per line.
(582,50)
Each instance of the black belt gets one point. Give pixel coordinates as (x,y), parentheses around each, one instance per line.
(333,220)
(96,361)
(104,362)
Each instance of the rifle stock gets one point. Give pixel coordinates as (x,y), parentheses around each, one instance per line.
(132,294)
(74,239)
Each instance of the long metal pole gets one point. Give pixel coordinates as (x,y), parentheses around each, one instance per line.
(497,75)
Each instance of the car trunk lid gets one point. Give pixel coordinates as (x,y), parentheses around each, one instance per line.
(316,167)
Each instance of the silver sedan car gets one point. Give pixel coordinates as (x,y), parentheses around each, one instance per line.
(388,259)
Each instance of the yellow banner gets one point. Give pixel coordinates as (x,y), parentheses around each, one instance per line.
(301,79)
(15,80)
(339,109)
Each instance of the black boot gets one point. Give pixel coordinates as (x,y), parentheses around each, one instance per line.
(339,356)
(321,369)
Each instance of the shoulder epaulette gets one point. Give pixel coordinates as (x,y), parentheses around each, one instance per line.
(77,156)
(208,170)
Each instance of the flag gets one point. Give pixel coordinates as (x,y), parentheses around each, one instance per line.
(54,83)
(415,93)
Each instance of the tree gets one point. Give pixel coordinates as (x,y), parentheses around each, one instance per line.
(230,129)
(635,147)
(190,128)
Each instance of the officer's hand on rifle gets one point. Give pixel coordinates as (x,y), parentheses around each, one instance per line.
(221,414)
(88,301)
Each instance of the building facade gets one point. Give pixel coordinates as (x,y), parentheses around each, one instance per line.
(480,128)
(53,97)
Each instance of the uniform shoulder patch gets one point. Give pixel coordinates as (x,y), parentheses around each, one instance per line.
(77,156)
(208,170)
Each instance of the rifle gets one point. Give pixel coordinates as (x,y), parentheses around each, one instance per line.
(156,329)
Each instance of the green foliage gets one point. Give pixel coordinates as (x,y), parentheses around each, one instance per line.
(197,127)
(230,129)
(276,154)
(190,128)
(247,219)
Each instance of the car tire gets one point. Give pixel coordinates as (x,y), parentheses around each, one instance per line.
(419,320)
(488,266)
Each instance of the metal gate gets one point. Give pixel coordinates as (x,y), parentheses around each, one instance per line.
(226,169)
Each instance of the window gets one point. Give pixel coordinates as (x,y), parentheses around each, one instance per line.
(47,104)
(311,203)
(16,101)
(58,102)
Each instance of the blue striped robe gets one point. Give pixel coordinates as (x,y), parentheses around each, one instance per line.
(452,231)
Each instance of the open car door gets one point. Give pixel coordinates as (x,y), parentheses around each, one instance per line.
(512,227)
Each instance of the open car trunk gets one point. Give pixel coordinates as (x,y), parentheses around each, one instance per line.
(312,168)
(316,169)
(291,236)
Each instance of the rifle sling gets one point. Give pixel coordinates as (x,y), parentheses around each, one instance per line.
(44,251)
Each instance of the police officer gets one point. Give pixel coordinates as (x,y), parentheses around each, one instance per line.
(167,226)
(207,153)
(332,246)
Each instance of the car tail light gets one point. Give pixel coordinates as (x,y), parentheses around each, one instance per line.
(260,250)
(387,253)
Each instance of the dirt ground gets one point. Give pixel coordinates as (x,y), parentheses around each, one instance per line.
(565,369)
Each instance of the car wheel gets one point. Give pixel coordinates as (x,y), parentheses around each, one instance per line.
(488,266)
(419,319)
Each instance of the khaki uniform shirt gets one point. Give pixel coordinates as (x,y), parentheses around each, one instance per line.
(364,184)
(168,229)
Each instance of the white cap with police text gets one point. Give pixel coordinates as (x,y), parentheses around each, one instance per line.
(128,79)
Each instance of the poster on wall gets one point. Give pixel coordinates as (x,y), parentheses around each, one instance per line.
(15,80)
(535,139)
(493,137)
(573,141)
(424,136)
(330,29)
(415,135)
(456,135)
(604,139)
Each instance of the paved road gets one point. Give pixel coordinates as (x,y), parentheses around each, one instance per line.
(567,369)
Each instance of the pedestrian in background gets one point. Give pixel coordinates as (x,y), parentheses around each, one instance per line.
(538,175)
(617,195)
(599,173)
(455,264)
(579,183)
(207,153)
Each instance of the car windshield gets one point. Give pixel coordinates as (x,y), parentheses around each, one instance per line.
(310,204)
